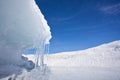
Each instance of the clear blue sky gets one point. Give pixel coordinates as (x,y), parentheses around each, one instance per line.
(81,24)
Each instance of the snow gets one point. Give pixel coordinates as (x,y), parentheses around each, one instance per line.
(98,63)
(22,27)
(106,55)
(76,73)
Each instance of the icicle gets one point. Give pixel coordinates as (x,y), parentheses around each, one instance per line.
(47,48)
(40,54)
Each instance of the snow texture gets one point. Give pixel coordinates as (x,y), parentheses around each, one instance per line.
(22,27)
(106,55)
(98,63)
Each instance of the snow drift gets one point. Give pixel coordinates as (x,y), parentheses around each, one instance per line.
(22,27)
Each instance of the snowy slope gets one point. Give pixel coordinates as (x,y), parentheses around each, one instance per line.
(98,63)
(106,55)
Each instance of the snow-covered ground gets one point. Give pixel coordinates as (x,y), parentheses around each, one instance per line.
(84,73)
(98,63)
(106,55)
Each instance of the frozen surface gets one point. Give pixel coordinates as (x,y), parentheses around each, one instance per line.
(106,55)
(84,73)
(98,63)
(71,73)
(22,27)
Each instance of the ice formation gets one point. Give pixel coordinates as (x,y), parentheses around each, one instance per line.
(22,27)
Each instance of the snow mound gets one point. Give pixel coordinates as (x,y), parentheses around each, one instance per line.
(106,55)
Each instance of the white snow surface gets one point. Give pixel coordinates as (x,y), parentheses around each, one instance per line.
(106,55)
(98,63)
(22,27)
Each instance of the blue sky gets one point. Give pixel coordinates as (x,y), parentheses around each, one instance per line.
(81,24)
